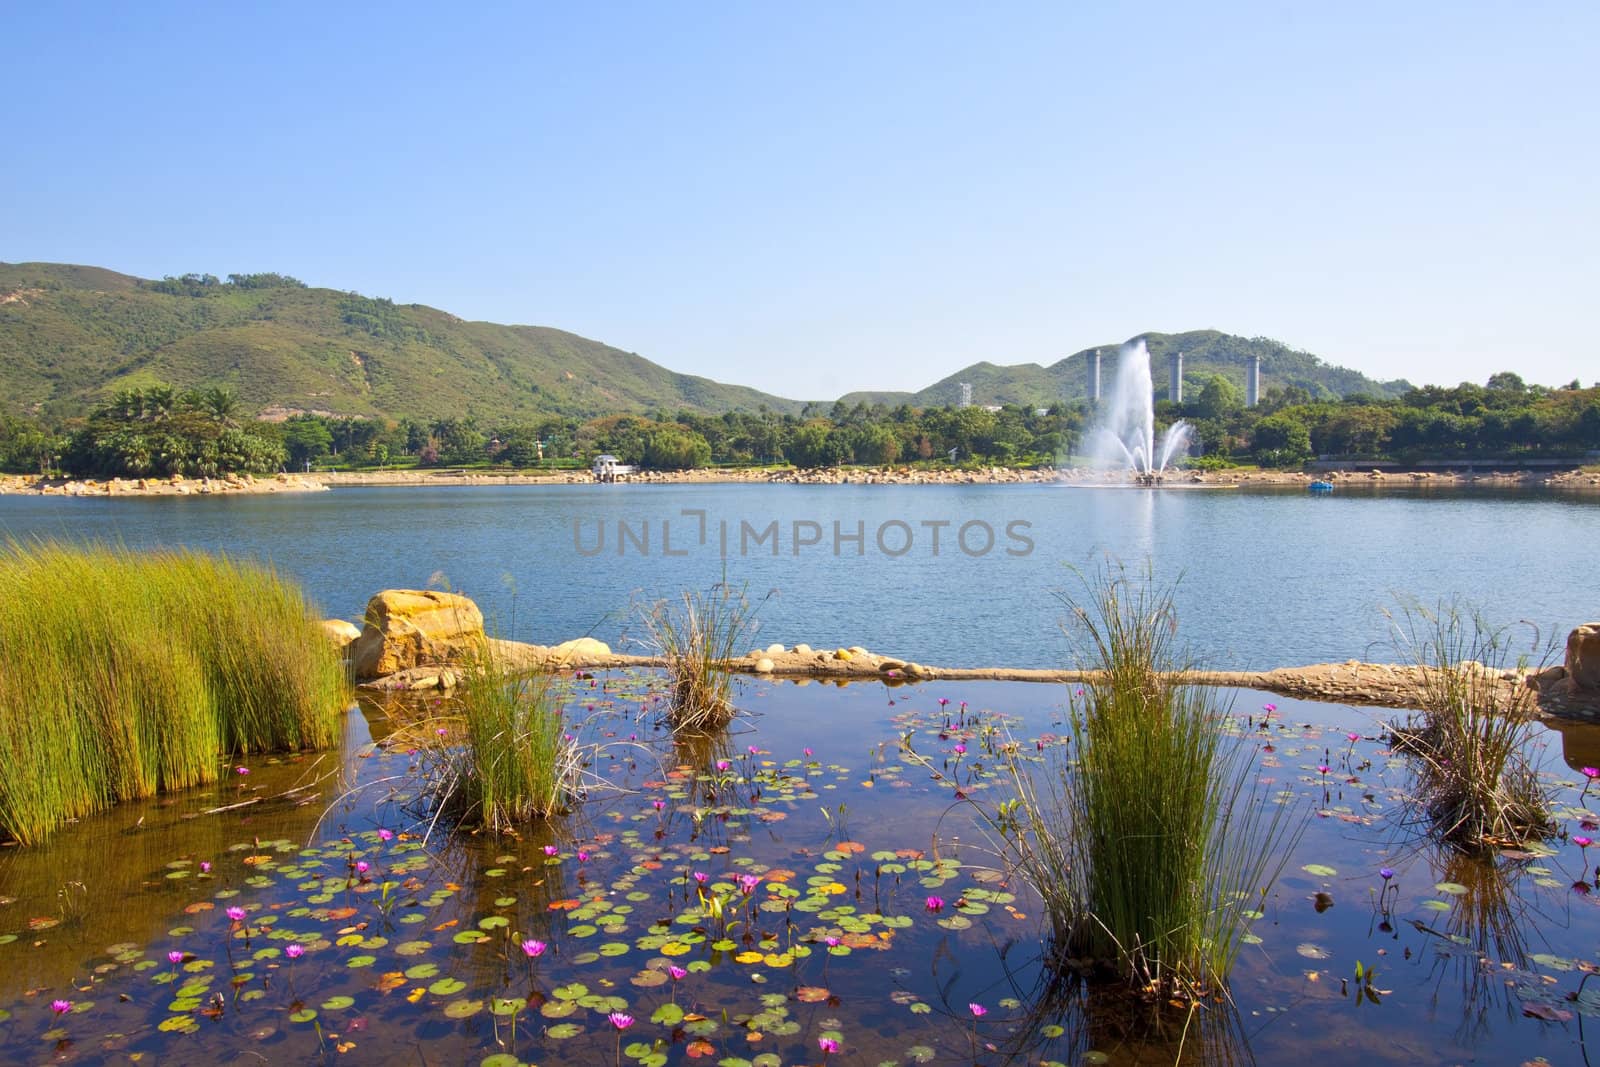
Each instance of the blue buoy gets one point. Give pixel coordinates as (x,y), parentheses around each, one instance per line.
(1320,487)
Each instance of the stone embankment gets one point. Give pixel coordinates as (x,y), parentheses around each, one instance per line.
(319,480)
(417,640)
(174,486)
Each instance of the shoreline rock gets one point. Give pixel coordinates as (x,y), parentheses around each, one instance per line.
(33,485)
(315,482)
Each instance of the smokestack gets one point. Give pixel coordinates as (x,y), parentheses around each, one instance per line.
(1094,377)
(1252,381)
(1175,386)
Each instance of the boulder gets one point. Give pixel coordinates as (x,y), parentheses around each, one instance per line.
(764,665)
(580,649)
(1583,657)
(408,628)
(340,632)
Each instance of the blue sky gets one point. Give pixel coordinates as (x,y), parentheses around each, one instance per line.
(817,198)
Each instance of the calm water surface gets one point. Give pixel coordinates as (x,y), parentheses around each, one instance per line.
(843,836)
(1268,578)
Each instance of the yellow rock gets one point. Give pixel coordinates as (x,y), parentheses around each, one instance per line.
(415,628)
(580,648)
(340,632)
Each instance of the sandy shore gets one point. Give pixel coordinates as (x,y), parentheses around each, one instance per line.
(319,481)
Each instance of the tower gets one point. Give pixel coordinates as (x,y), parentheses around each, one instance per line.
(966,394)
(1175,384)
(1094,377)
(1252,381)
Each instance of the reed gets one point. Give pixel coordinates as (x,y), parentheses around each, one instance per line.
(698,634)
(1150,847)
(502,756)
(129,673)
(1475,783)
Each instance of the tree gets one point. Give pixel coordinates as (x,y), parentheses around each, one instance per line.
(676,449)
(306,439)
(1219,399)
(1281,441)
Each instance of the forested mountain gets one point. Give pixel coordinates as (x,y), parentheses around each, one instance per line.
(1205,353)
(71,337)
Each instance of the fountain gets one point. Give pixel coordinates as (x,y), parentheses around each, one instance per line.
(1124,436)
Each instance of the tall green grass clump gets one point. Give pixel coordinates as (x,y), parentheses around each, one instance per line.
(1476,784)
(698,634)
(128,673)
(1148,844)
(503,756)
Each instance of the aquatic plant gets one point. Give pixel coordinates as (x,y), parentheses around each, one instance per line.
(1150,847)
(1475,782)
(503,756)
(131,672)
(698,634)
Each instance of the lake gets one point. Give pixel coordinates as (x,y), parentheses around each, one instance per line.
(953,575)
(875,913)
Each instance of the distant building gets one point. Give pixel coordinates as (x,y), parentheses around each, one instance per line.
(607,468)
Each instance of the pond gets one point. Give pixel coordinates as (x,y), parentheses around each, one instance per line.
(1269,579)
(284,916)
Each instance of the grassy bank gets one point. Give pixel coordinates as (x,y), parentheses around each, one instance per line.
(128,673)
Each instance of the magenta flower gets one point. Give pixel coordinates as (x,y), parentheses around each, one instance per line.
(241,770)
(205,866)
(385,835)
(1269,708)
(551,850)
(724,765)
(944,701)
(235,913)
(1323,767)
(1581,841)
(961,748)
(362,867)
(748,883)
(174,956)
(828,1045)
(978,1010)
(806,751)
(754,750)
(935,904)
(1353,738)
(676,971)
(659,805)
(583,857)
(295,950)
(61,1007)
(701,877)
(831,941)
(620,1019)
(533,948)
(1591,773)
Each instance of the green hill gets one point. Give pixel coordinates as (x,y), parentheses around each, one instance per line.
(1205,352)
(71,336)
